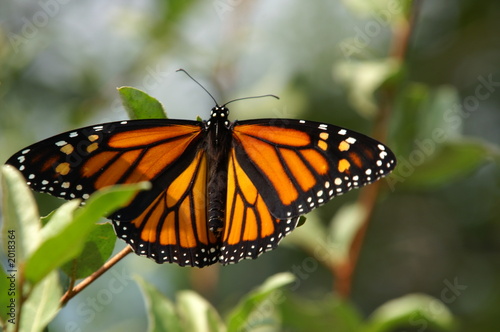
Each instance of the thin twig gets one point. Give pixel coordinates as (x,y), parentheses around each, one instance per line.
(368,196)
(72,277)
(87,281)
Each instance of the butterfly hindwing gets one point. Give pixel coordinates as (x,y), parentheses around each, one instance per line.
(173,228)
(250,229)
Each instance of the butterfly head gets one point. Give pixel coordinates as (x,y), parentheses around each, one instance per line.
(219,114)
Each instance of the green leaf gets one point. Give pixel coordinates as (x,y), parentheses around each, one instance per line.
(46,219)
(422,114)
(302,314)
(62,218)
(198,315)
(302,221)
(64,238)
(20,213)
(258,308)
(406,119)
(97,249)
(192,313)
(161,312)
(412,310)
(427,167)
(140,105)
(42,305)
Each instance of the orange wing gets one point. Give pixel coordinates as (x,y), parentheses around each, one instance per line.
(168,222)
(173,228)
(250,228)
(299,165)
(280,169)
(77,163)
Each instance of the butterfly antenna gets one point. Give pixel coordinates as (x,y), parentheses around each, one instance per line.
(191,77)
(253,97)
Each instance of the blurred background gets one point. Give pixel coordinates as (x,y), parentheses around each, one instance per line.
(424,76)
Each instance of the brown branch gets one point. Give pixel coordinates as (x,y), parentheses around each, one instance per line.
(87,281)
(402,32)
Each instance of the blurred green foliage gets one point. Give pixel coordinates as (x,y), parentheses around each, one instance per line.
(429,261)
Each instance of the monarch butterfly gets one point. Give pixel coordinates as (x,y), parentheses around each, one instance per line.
(221,191)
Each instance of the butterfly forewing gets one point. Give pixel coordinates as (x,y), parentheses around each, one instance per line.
(77,163)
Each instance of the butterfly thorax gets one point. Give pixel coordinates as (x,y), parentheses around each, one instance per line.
(219,143)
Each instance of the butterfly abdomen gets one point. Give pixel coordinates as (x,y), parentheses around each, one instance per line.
(219,143)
